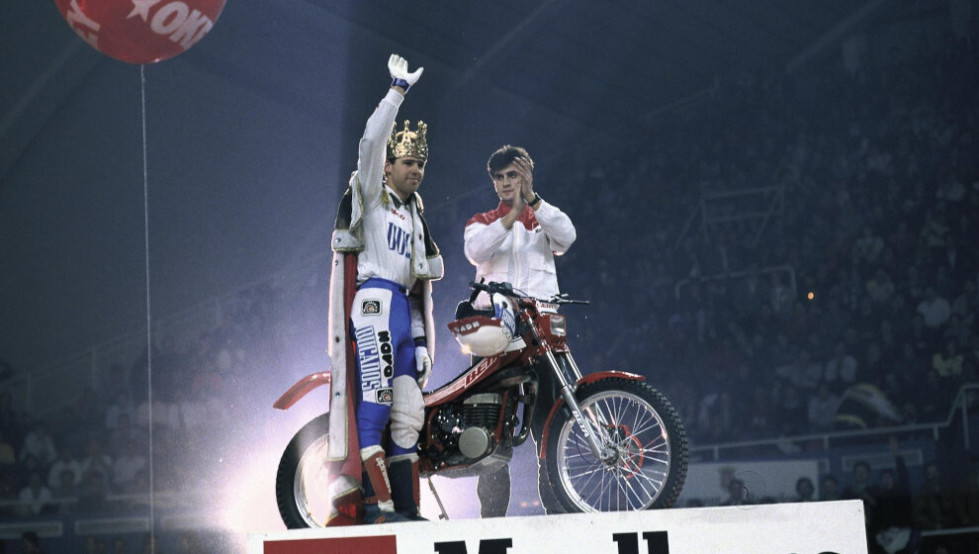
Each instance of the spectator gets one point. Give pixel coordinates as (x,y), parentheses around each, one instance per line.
(129,461)
(964,304)
(759,414)
(822,409)
(24,470)
(934,232)
(66,462)
(947,364)
(127,435)
(36,497)
(8,495)
(829,489)
(11,424)
(932,399)
(802,372)
(880,288)
(92,492)
(120,546)
(967,503)
(122,405)
(896,389)
(834,320)
(8,455)
(39,443)
(30,543)
(790,412)
(717,416)
(96,460)
(920,338)
(957,331)
(737,493)
(781,296)
(867,316)
(932,505)
(166,415)
(94,545)
(867,249)
(66,493)
(89,409)
(934,309)
(751,294)
(887,340)
(891,527)
(841,370)
(860,488)
(872,364)
(67,427)
(805,490)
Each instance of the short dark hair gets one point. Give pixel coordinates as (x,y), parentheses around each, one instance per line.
(804,481)
(504,156)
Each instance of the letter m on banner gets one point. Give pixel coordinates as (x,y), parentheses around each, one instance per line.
(486,546)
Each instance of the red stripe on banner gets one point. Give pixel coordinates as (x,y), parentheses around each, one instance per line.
(384,544)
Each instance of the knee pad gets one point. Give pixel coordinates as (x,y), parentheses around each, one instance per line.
(407,412)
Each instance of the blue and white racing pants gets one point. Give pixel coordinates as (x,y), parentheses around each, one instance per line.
(380,325)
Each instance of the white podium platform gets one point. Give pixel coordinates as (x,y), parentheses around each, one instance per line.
(801,528)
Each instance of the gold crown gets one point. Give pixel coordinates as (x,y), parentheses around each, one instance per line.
(408,143)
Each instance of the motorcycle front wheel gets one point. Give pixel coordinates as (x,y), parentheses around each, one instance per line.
(643,436)
(302,482)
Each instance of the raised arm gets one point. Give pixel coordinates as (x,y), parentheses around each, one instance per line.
(372,152)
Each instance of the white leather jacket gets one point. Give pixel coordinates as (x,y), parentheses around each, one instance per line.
(523,255)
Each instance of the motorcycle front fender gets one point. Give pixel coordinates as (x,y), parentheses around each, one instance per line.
(559,402)
(301,389)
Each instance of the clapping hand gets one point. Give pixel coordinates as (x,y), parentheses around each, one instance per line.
(525,168)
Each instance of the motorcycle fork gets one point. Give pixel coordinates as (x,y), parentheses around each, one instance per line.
(529,401)
(567,390)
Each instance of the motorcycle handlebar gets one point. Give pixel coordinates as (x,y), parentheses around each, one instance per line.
(507,289)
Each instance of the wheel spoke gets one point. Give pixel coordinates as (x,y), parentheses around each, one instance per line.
(635,433)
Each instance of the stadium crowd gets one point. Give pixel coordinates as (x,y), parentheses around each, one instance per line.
(754,327)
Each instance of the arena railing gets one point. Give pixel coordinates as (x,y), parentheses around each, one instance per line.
(964,400)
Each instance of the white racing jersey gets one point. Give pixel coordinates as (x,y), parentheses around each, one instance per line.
(388,223)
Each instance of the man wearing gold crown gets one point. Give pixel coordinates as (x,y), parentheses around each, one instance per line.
(516,243)
(381,329)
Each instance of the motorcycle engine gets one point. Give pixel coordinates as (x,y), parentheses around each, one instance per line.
(464,430)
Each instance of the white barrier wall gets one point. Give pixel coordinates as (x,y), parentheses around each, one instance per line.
(708,482)
(802,528)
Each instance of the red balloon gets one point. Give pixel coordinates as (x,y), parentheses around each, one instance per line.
(141,31)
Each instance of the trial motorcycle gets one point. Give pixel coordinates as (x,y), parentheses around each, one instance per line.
(610,441)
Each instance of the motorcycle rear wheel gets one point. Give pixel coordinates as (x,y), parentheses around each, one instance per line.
(302,480)
(643,431)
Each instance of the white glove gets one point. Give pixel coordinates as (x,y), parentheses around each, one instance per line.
(423,365)
(398,67)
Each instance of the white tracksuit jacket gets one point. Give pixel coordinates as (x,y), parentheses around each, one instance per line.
(523,255)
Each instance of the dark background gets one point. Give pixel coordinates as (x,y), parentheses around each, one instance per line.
(199,193)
